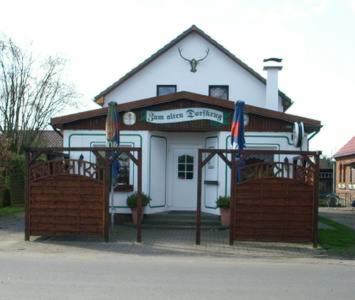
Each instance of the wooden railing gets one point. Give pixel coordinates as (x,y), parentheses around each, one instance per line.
(66,167)
(300,169)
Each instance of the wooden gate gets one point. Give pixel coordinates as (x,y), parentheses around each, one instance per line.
(272,200)
(67,196)
(71,196)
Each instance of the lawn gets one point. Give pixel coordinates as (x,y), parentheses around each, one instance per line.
(11,210)
(337,240)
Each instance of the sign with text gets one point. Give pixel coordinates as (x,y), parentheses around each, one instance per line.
(184,115)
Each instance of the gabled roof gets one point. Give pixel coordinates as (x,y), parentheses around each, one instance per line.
(47,138)
(347,149)
(50,138)
(286,101)
(310,124)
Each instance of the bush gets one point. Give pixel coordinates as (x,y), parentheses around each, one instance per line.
(223,201)
(17,180)
(5,198)
(132,200)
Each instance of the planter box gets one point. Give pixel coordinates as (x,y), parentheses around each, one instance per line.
(225,216)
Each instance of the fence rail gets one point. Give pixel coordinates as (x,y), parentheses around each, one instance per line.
(66,167)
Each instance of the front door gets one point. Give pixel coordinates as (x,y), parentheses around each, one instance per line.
(184,179)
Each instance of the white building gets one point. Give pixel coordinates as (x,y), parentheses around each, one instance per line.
(181,103)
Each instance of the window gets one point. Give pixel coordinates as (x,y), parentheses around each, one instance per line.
(351,175)
(340,173)
(219,91)
(123,176)
(255,159)
(122,181)
(165,89)
(185,167)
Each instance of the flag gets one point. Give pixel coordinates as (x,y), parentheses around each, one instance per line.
(113,138)
(112,121)
(237,129)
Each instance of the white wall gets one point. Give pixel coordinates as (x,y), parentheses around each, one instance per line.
(158,167)
(94,138)
(170,68)
(162,169)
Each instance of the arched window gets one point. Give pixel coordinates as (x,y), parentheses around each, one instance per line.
(185,167)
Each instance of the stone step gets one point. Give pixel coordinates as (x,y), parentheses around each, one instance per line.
(176,227)
(183,227)
(180,220)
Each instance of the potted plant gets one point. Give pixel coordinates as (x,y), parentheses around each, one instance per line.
(223,203)
(132,204)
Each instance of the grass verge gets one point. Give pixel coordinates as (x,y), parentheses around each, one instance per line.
(11,210)
(338,240)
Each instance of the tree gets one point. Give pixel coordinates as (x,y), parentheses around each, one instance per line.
(31,91)
(5,157)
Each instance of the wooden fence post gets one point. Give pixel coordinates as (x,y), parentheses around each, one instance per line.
(107,183)
(315,201)
(198,210)
(27,196)
(139,199)
(232,224)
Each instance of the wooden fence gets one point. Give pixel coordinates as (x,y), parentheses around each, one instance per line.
(270,200)
(71,196)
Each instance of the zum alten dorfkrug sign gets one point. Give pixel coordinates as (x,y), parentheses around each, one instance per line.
(184,115)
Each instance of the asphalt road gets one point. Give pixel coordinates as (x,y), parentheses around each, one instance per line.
(113,276)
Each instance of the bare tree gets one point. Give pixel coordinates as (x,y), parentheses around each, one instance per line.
(30,93)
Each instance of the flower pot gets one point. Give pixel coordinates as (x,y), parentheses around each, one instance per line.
(135,216)
(225,216)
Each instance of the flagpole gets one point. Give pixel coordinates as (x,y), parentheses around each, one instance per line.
(111,196)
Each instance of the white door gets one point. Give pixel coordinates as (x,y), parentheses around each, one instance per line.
(184,185)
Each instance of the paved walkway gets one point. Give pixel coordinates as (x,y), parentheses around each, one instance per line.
(155,242)
(345,216)
(110,276)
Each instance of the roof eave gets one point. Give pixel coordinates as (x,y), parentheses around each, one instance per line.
(311,124)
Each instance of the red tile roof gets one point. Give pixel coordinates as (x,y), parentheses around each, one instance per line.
(347,149)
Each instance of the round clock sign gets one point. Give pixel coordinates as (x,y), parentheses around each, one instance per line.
(129,118)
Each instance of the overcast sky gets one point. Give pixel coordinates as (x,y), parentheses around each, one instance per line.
(105,39)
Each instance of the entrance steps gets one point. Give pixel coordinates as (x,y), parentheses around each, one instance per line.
(180,220)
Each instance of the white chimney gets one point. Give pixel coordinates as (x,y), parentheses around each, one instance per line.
(272,66)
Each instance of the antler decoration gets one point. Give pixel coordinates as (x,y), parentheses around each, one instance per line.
(194,62)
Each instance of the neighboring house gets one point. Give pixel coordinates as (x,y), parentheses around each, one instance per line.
(325,176)
(171,107)
(44,138)
(345,172)
(50,138)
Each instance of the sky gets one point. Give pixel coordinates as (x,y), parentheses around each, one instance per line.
(103,40)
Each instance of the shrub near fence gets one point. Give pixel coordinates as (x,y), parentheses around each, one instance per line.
(3,187)
(17,180)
